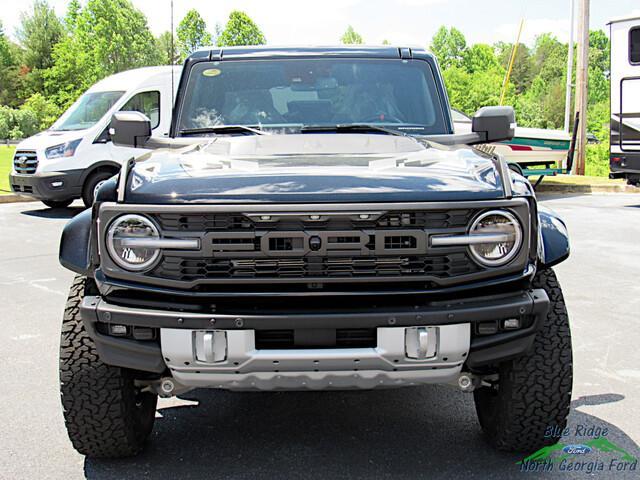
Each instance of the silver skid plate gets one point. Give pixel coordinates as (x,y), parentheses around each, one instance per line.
(228,359)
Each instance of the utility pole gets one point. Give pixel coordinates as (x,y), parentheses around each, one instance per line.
(582,71)
(567,101)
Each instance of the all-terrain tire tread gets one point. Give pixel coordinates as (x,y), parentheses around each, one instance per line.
(535,390)
(96,398)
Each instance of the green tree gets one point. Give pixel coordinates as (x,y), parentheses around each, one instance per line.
(521,74)
(479,58)
(108,36)
(5,58)
(470,91)
(45,110)
(167,48)
(73,12)
(599,89)
(550,57)
(240,30)
(351,37)
(448,45)
(12,74)
(40,29)
(192,34)
(599,50)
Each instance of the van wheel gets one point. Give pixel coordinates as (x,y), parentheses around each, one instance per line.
(58,203)
(92,184)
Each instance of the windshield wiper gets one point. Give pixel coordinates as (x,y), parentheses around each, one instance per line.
(351,128)
(246,129)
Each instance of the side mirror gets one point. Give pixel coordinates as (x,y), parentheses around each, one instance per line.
(494,124)
(130,129)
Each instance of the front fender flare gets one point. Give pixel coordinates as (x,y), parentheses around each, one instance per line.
(554,238)
(75,251)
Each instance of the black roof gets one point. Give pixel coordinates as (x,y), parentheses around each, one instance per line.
(355,51)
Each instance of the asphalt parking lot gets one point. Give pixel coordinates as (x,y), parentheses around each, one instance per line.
(424,432)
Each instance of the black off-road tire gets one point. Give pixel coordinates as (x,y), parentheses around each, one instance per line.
(58,203)
(105,415)
(533,393)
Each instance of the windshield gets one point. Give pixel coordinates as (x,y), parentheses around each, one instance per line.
(397,94)
(86,111)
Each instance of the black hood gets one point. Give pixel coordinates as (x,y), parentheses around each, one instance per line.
(313,168)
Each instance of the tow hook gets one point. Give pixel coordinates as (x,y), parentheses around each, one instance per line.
(167,387)
(467,382)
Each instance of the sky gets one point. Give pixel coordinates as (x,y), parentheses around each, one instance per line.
(406,22)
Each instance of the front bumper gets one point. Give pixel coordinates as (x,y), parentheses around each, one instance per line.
(389,363)
(55,186)
(231,361)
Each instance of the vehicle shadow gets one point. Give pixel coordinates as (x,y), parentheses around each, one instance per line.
(422,432)
(56,213)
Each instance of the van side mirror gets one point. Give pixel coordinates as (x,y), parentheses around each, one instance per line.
(130,129)
(494,124)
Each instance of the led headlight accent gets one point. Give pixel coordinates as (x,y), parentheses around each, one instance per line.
(495,224)
(129,242)
(62,150)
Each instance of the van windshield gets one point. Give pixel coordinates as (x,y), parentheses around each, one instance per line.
(86,111)
(281,93)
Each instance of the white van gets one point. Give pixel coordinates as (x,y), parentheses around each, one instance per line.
(73,157)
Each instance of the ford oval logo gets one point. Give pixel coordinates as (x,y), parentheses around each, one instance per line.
(576,449)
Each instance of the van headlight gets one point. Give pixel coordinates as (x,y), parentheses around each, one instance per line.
(63,150)
(503,233)
(130,242)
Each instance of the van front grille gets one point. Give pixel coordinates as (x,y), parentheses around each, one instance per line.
(25,161)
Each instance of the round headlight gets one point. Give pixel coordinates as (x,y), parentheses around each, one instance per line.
(128,241)
(503,235)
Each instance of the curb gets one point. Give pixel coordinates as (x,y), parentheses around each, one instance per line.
(560,188)
(11,198)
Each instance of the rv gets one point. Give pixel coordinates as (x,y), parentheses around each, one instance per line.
(75,156)
(624,157)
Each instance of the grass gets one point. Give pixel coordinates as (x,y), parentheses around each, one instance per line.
(6,157)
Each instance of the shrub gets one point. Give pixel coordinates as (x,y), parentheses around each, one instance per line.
(6,119)
(45,111)
(597,161)
(17,123)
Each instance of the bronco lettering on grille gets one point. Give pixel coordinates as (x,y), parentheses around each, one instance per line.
(313,243)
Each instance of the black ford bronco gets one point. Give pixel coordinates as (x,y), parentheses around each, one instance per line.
(313,222)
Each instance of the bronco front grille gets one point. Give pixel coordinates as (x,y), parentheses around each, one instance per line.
(448,218)
(440,266)
(314,245)
(25,161)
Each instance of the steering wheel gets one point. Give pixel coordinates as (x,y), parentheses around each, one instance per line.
(382,117)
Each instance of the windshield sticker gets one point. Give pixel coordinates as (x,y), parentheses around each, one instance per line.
(211,72)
